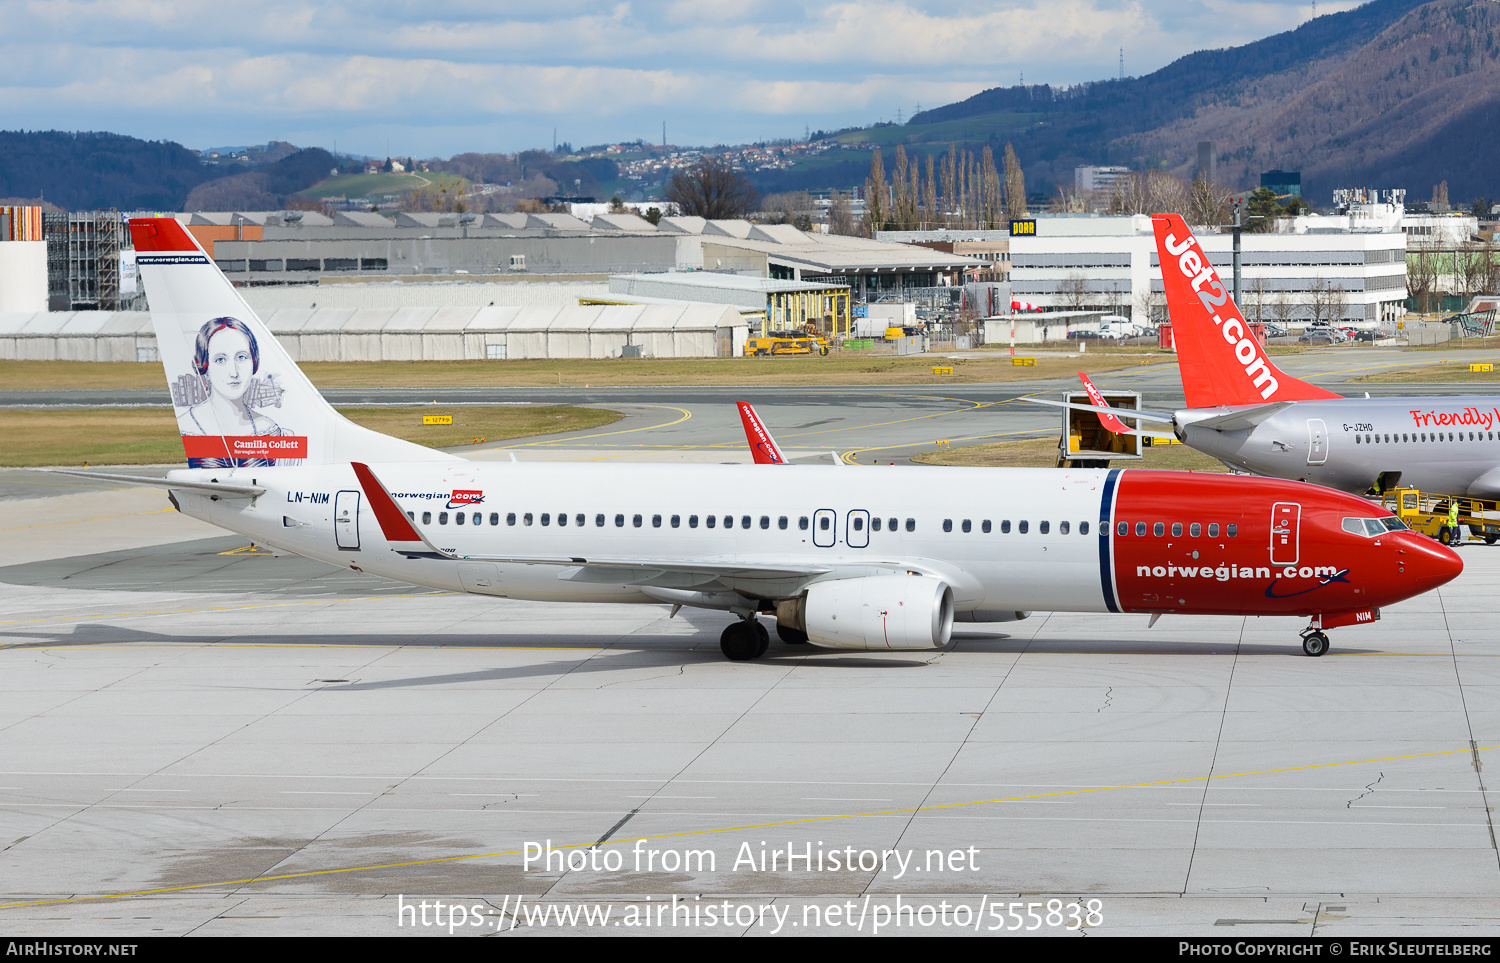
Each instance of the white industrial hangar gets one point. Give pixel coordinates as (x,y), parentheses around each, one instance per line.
(682,330)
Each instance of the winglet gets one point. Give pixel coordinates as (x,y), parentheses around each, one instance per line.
(1222,364)
(762,445)
(394,524)
(1115,425)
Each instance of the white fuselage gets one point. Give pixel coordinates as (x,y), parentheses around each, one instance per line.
(664,512)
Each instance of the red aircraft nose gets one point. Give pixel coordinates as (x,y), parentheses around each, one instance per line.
(1423,563)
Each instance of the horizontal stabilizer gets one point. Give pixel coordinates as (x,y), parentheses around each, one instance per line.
(1244,418)
(1117,412)
(223,488)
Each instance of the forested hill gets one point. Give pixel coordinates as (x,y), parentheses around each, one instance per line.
(1394,93)
(83,171)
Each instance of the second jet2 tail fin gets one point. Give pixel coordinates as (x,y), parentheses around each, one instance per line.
(1221,362)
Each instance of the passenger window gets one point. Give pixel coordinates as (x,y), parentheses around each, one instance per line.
(984,526)
(635,520)
(729,521)
(1231,530)
(781,523)
(802,523)
(619,521)
(1021,527)
(911,524)
(562,518)
(546,518)
(1140,529)
(968,526)
(947,524)
(510,518)
(656,521)
(744,521)
(458,518)
(711,520)
(859,524)
(1158,529)
(1062,528)
(823,523)
(412,515)
(875,524)
(427,518)
(442,518)
(1195,529)
(765,521)
(1176,529)
(578,519)
(692,521)
(1005,526)
(1042,527)
(676,521)
(478,518)
(1083,528)
(894,525)
(598,521)
(1123,528)
(1213,530)
(494,518)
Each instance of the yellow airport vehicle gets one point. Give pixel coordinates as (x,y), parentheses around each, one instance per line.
(785,342)
(1432,515)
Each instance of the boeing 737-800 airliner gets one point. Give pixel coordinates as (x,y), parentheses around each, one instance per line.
(843,557)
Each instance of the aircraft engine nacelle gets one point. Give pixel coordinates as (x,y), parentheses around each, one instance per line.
(879,612)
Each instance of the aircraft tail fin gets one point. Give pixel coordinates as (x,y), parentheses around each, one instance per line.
(1221,362)
(1106,419)
(762,446)
(240,400)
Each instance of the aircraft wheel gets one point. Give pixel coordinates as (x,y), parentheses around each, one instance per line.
(740,642)
(1491,539)
(762,638)
(790,635)
(1315,643)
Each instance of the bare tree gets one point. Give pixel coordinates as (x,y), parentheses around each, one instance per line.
(875,209)
(712,189)
(1283,308)
(841,216)
(1422,278)
(1257,300)
(1074,291)
(1015,185)
(1210,203)
(1151,192)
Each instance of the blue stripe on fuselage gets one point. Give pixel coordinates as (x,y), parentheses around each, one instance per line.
(1106,524)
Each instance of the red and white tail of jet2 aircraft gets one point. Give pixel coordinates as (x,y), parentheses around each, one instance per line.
(842,558)
(1250,414)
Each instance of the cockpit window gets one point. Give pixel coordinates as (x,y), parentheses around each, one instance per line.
(1372,527)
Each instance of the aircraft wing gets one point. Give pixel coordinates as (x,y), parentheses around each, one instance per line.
(409,541)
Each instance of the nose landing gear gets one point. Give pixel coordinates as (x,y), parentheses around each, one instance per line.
(1314,642)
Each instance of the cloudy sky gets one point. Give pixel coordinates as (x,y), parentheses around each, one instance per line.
(437,78)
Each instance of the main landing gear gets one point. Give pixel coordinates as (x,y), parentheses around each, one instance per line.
(745,640)
(1314,642)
